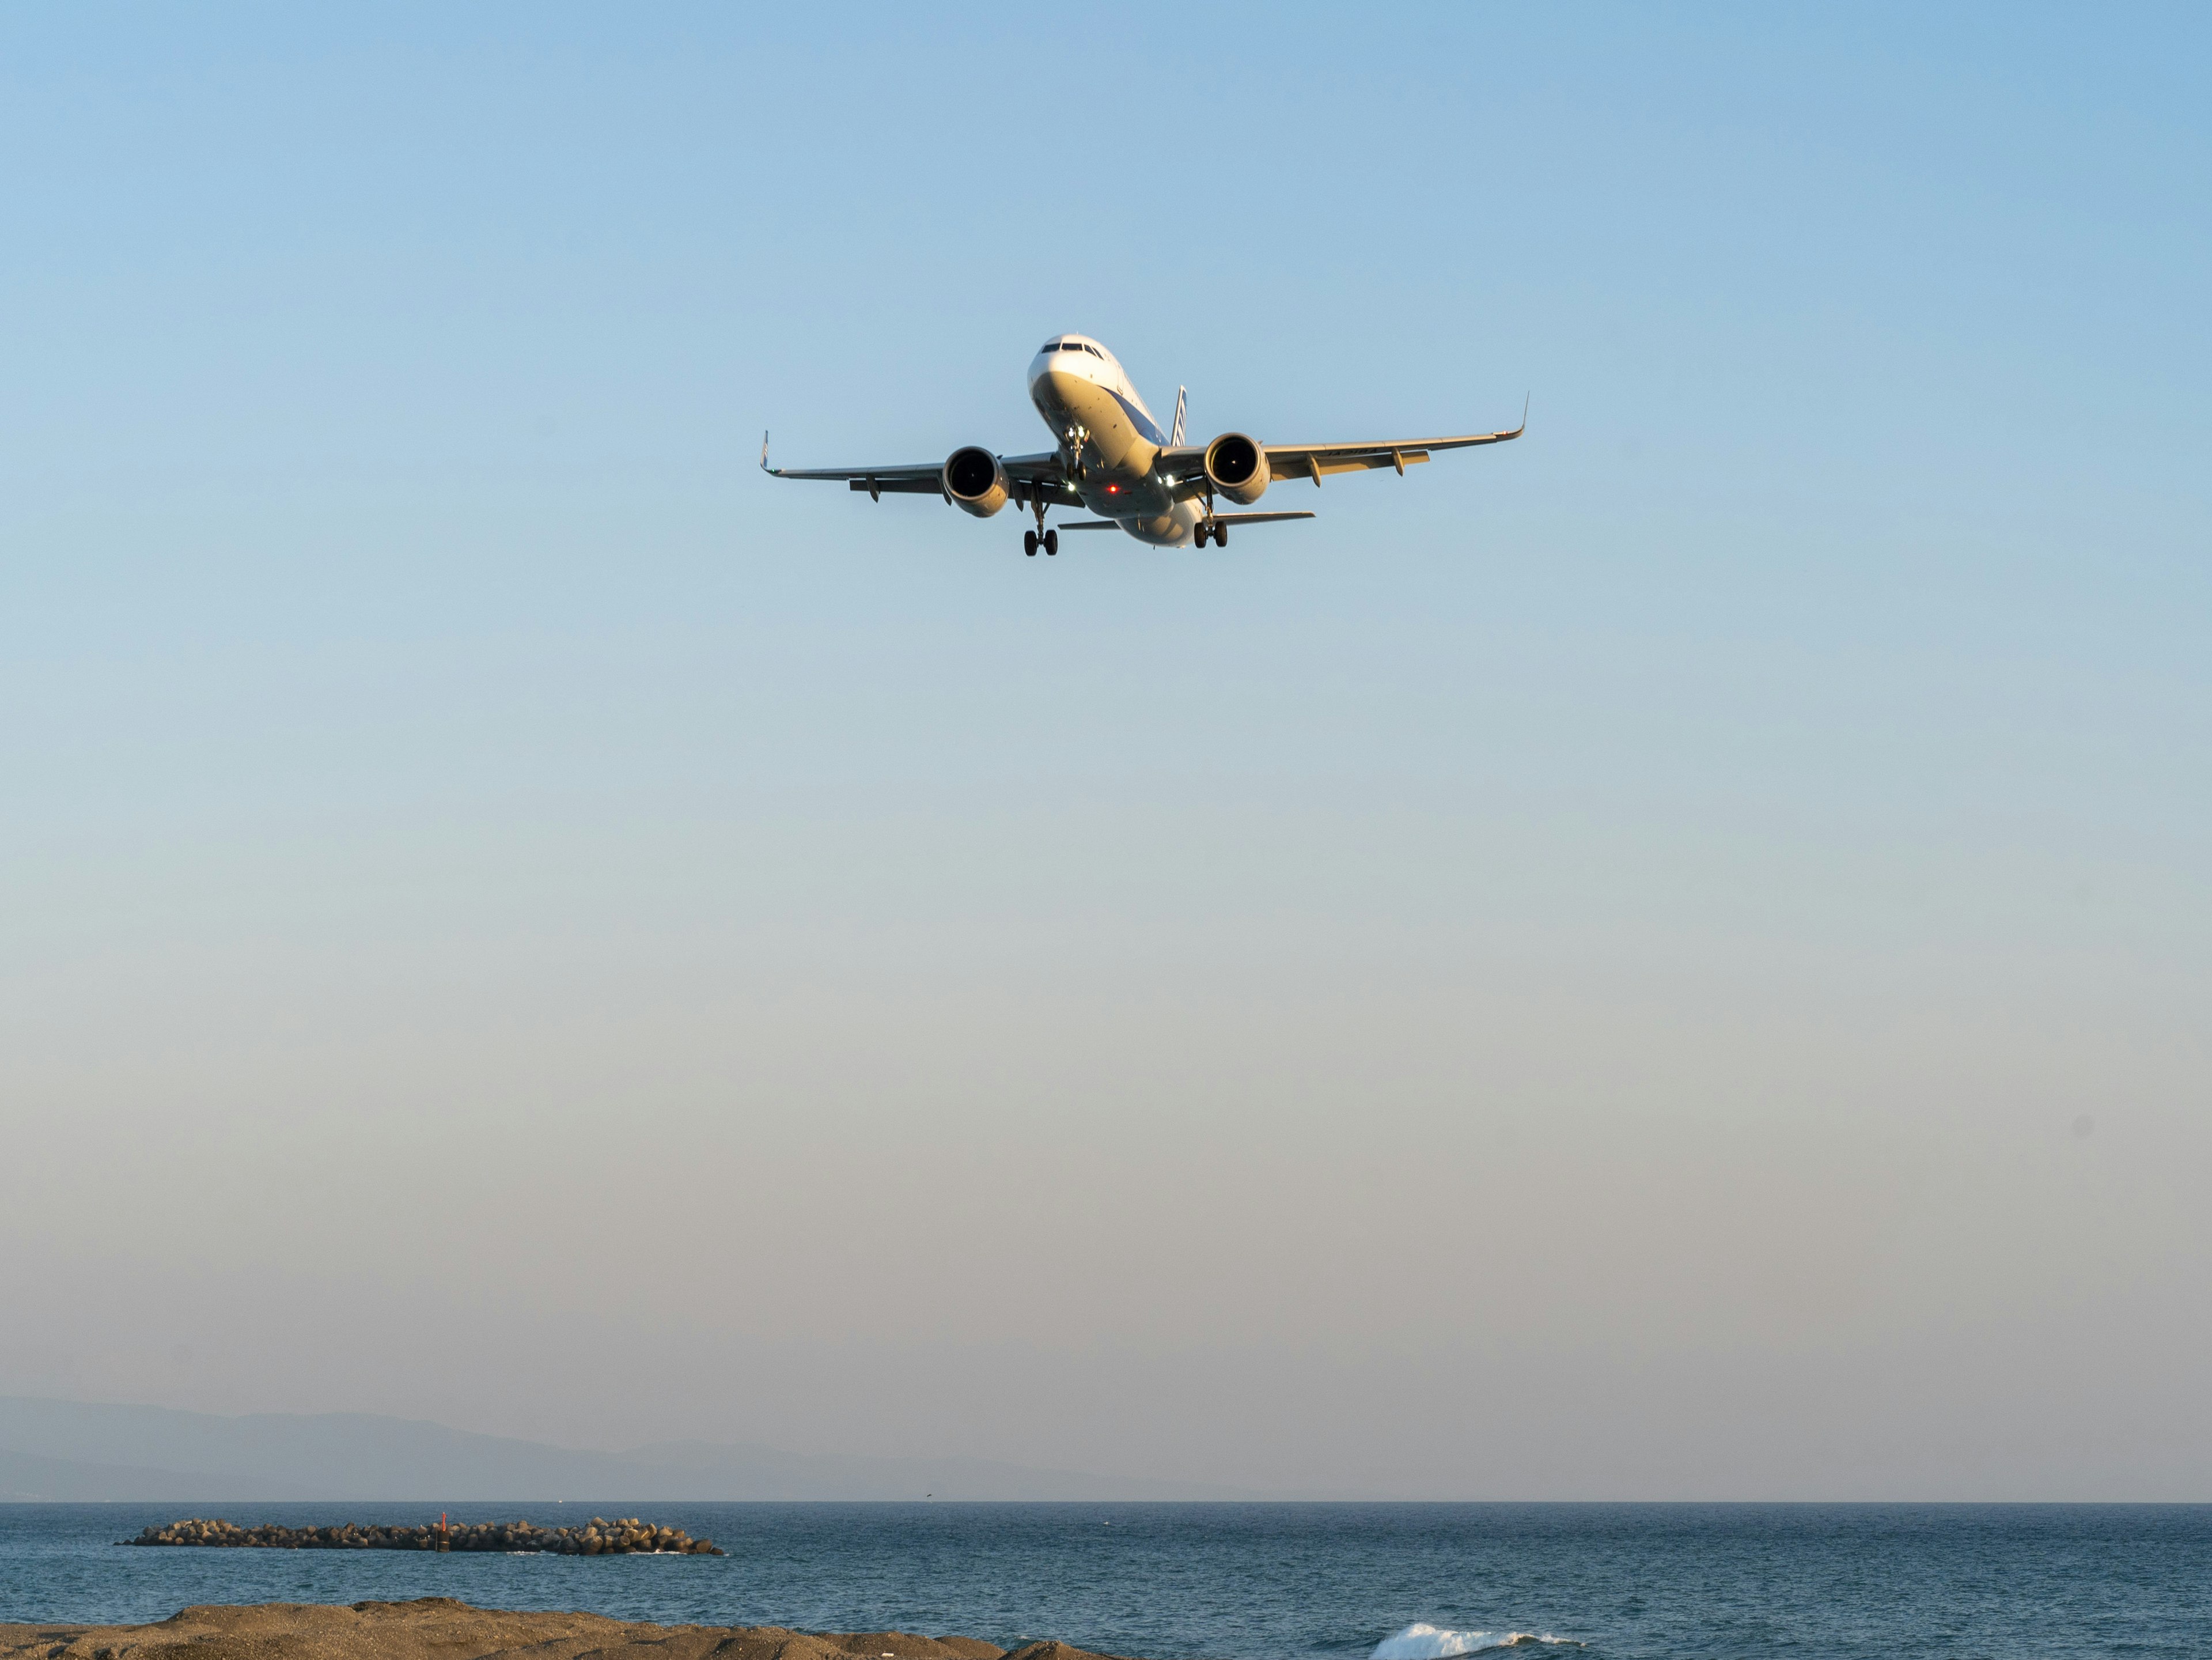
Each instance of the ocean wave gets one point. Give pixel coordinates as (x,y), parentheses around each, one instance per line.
(1421,1642)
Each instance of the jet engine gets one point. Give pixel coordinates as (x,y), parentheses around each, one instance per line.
(976,481)
(1236,467)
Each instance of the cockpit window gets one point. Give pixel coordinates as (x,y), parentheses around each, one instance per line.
(1094,351)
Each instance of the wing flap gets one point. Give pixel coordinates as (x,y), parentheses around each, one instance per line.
(925,474)
(875,484)
(1185,464)
(1389,452)
(1317,461)
(1044,473)
(1307,465)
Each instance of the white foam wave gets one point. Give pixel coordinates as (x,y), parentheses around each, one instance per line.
(1421,1642)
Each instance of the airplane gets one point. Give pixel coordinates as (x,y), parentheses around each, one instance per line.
(1113,459)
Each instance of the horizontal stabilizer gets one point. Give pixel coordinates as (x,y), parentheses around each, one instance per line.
(1219,519)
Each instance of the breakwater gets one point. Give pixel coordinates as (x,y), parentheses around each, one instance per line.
(626,1536)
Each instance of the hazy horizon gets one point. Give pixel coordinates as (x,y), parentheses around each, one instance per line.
(54,1451)
(1664,959)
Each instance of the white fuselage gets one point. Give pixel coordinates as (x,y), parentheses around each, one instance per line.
(1110,440)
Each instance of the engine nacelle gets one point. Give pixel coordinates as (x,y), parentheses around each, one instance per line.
(976,482)
(1236,467)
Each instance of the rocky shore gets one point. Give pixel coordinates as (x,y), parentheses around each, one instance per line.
(597,1538)
(439,1628)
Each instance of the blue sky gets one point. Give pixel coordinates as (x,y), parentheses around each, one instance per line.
(1654,905)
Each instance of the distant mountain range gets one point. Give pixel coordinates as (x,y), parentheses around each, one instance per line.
(62,1452)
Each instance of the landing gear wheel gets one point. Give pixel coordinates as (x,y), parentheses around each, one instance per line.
(1028,543)
(1051,541)
(1220,535)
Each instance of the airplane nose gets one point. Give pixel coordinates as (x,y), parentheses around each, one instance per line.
(1060,383)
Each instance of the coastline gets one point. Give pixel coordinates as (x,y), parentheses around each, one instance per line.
(442,1628)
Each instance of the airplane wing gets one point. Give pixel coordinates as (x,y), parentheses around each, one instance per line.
(1317,461)
(1043,475)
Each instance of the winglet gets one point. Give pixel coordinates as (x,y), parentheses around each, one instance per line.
(1174,438)
(1517,431)
(764,466)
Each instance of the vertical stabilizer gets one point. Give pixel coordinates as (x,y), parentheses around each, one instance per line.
(1174,437)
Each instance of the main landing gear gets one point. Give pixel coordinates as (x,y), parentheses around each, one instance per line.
(1210,525)
(1039,537)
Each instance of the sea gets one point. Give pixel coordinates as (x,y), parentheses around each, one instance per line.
(1247,1582)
